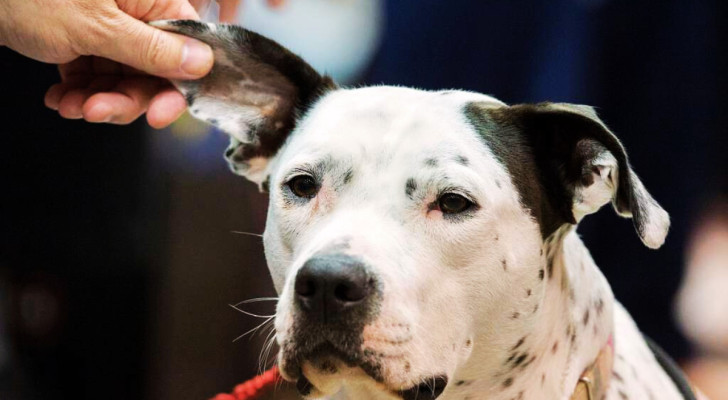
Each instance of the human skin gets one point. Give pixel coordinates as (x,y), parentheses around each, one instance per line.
(112,64)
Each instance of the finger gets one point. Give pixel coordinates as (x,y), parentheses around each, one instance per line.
(56,92)
(165,108)
(157,52)
(187,11)
(200,5)
(103,66)
(158,9)
(71,105)
(104,83)
(126,103)
(79,66)
(275,3)
(228,10)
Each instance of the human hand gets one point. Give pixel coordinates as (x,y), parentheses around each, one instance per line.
(110,60)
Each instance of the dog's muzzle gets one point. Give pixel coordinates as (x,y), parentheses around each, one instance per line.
(334,297)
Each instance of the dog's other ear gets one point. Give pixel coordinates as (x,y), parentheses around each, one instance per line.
(255,92)
(582,166)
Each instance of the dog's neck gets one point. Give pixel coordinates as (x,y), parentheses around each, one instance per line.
(553,346)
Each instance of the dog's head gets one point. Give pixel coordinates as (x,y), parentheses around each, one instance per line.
(402,221)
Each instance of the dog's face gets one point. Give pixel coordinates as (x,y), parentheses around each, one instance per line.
(392,231)
(402,221)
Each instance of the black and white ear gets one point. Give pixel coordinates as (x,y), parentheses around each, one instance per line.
(254,92)
(585,166)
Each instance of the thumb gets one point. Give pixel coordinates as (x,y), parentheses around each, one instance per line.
(157,52)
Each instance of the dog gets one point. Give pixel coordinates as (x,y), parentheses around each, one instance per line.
(423,243)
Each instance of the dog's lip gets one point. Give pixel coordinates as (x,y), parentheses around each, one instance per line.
(428,389)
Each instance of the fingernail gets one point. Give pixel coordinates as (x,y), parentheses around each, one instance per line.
(196,58)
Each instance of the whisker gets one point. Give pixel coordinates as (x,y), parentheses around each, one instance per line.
(253,330)
(264,356)
(247,233)
(257,300)
(250,313)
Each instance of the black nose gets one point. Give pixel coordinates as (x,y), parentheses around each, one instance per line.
(328,285)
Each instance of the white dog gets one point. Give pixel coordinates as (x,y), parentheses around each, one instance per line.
(423,243)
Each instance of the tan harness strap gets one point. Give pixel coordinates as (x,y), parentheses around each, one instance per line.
(594,382)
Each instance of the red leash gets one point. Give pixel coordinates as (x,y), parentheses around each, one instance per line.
(253,388)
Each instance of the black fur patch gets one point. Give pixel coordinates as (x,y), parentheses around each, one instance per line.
(410,187)
(548,150)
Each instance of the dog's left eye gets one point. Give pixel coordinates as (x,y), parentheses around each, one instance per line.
(452,203)
(303,186)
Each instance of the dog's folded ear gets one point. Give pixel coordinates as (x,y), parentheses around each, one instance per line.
(582,166)
(255,92)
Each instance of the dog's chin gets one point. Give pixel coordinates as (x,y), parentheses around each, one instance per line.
(325,374)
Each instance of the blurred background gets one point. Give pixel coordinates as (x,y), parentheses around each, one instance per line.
(117,256)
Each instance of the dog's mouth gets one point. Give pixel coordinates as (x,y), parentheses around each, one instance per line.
(326,362)
(428,389)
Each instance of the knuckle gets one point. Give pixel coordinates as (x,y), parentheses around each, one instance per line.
(154,51)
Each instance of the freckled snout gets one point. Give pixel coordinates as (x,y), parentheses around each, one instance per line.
(333,287)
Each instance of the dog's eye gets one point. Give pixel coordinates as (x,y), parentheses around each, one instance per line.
(303,186)
(451,203)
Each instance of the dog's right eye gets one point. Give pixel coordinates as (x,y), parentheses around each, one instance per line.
(303,186)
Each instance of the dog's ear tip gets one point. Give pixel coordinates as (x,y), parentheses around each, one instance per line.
(654,232)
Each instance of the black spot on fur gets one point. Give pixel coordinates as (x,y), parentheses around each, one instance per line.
(519,343)
(508,382)
(462,160)
(529,362)
(519,359)
(504,264)
(410,187)
(431,162)
(585,319)
(528,292)
(540,274)
(555,347)
(348,175)
(515,315)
